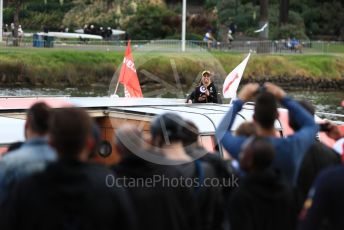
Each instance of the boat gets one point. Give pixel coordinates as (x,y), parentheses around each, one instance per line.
(59,35)
(71,35)
(111,112)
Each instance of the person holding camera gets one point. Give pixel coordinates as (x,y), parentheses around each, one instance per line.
(204,93)
(289,150)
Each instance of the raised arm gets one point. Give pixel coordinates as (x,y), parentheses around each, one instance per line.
(305,136)
(223,132)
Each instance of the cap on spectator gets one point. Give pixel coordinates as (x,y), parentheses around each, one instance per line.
(205,72)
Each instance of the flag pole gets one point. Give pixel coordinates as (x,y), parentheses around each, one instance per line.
(116,85)
(1,19)
(184,26)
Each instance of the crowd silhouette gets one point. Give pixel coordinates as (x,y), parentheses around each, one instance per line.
(51,181)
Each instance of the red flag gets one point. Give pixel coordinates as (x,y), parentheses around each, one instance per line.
(128,76)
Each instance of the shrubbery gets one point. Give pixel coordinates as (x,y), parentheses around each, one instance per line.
(145,20)
(152,22)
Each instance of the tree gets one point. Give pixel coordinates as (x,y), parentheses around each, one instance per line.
(17,5)
(264,18)
(284,12)
(151,22)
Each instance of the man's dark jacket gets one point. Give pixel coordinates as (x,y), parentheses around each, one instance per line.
(68,195)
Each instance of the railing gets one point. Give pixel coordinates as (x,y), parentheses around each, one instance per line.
(264,46)
(337,118)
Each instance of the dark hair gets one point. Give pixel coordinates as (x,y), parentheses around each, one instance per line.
(247,129)
(38,117)
(128,139)
(70,129)
(191,133)
(168,127)
(262,152)
(265,110)
(307,106)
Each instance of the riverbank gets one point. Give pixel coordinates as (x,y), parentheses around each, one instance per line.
(54,67)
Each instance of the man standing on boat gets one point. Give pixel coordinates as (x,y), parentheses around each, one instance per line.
(204,93)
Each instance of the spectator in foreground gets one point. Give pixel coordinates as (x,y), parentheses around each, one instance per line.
(169,131)
(14,146)
(69,194)
(289,150)
(223,169)
(263,200)
(246,129)
(33,155)
(170,207)
(317,158)
(323,207)
(337,133)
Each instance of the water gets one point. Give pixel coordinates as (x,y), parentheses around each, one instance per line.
(74,92)
(328,102)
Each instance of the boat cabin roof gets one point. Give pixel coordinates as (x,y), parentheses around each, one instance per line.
(206,116)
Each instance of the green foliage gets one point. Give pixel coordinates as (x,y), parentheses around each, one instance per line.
(314,18)
(8,15)
(321,18)
(51,6)
(96,13)
(38,20)
(151,22)
(295,27)
(54,67)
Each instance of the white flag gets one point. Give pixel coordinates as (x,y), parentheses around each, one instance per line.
(231,84)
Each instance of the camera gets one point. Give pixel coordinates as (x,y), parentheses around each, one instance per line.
(325,127)
(260,90)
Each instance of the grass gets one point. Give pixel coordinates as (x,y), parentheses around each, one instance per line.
(329,47)
(76,68)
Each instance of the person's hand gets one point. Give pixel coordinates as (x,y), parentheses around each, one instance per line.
(248,91)
(277,91)
(202,98)
(207,92)
(333,132)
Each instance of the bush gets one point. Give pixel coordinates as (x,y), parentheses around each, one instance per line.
(38,20)
(97,14)
(8,15)
(151,22)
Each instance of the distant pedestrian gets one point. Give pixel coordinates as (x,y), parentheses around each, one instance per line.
(108,33)
(209,39)
(6,28)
